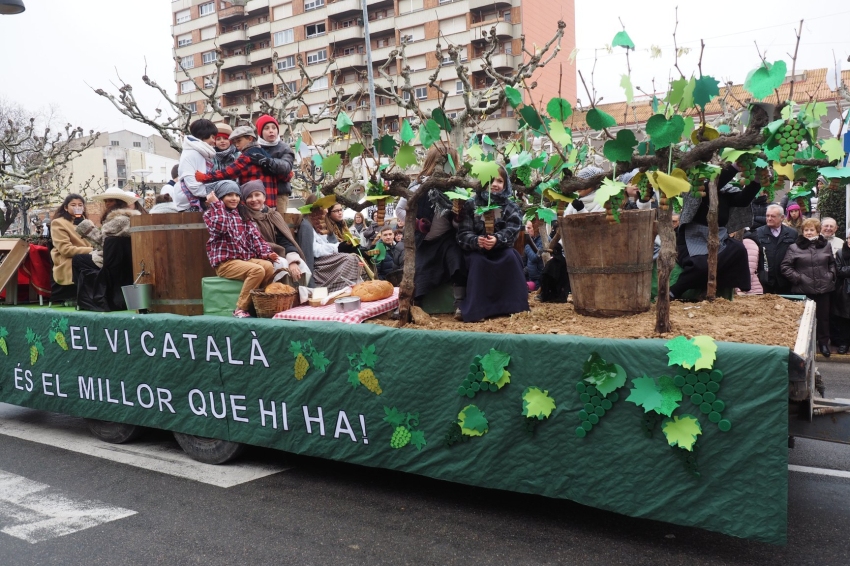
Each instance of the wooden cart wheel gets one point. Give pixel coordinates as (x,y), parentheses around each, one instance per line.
(208,450)
(114,433)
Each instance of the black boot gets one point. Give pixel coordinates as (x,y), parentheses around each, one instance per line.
(824,350)
(842,349)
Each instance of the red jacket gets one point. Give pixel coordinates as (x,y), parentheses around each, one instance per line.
(243,170)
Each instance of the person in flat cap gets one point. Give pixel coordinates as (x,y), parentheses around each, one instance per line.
(225,152)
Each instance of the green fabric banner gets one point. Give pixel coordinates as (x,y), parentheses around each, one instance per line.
(385,397)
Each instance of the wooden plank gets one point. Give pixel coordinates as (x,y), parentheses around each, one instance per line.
(13,253)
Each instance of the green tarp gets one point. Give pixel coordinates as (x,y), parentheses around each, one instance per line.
(235,380)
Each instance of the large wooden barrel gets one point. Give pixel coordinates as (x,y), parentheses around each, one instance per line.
(610,265)
(173,249)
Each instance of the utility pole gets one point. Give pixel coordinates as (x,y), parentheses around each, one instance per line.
(371,78)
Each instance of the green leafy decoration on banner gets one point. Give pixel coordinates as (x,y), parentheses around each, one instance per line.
(708,351)
(58,329)
(404,425)
(356,150)
(331,163)
(441,119)
(604,376)
(664,132)
(599,120)
(706,89)
(671,395)
(628,89)
(608,189)
(621,148)
(559,109)
(387,145)
(833,149)
(473,421)
(343,122)
(514,96)
(36,347)
(303,351)
(682,352)
(406,131)
(559,134)
(537,403)
(622,39)
(494,363)
(429,132)
(3,346)
(682,431)
(406,156)
(646,394)
(763,81)
(531,117)
(361,369)
(485,171)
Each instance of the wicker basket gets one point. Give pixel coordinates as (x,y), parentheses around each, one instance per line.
(269,304)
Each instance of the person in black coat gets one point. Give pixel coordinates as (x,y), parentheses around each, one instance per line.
(759,206)
(532,261)
(840,301)
(774,239)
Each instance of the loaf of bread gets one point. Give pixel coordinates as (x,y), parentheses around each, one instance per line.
(372,290)
(278,288)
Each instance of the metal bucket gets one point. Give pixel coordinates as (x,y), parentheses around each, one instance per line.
(137,297)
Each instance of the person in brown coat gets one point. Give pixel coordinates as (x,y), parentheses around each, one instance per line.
(66,244)
(810,267)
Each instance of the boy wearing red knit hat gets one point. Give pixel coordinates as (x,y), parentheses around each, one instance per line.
(281,158)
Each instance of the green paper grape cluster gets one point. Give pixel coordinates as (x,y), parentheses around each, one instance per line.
(594,408)
(695,178)
(702,388)
(747,163)
(789,137)
(401,437)
(650,422)
(474,381)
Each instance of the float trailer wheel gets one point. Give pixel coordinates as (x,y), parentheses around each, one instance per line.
(114,433)
(208,450)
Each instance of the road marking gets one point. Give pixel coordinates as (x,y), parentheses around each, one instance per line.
(71,433)
(35,512)
(819,471)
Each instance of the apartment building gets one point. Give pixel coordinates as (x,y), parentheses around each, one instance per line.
(321,29)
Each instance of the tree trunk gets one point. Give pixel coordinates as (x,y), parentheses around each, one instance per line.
(713,241)
(666,260)
(406,290)
(9,216)
(543,230)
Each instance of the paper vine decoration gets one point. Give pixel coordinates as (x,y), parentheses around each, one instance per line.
(36,347)
(3,346)
(537,405)
(698,352)
(473,421)
(597,391)
(58,328)
(362,366)
(305,350)
(486,373)
(681,431)
(404,428)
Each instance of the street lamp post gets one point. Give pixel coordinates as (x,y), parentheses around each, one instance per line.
(142,173)
(24,203)
(10,7)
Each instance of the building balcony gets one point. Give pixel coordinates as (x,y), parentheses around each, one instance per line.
(254,7)
(497,125)
(235,62)
(499,61)
(481,30)
(260,30)
(344,8)
(384,24)
(341,35)
(382,54)
(233,87)
(231,14)
(378,4)
(488,4)
(263,80)
(355,60)
(260,56)
(233,38)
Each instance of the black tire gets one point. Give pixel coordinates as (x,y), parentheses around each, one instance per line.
(208,450)
(114,433)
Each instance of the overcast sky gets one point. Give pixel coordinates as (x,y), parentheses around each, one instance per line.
(56,48)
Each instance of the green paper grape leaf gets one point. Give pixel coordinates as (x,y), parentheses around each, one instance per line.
(354,378)
(355,150)
(559,109)
(294,347)
(733,155)
(317,159)
(504,380)
(512,148)
(406,156)
(538,161)
(343,122)
(367,356)
(488,140)
(387,145)
(682,431)
(559,134)
(612,381)
(671,395)
(407,133)
(320,362)
(441,119)
(485,171)
(664,132)
(513,95)
(298,144)
(763,81)
(604,376)
(547,214)
(833,148)
(3,332)
(608,189)
(494,362)
(554,162)
(626,85)
(537,403)
(394,417)
(677,91)
(599,120)
(682,352)
(706,89)
(646,394)
(429,132)
(382,252)
(708,351)
(531,117)
(475,152)
(621,148)
(689,128)
(331,163)
(799,192)
(523,159)
(473,421)
(724,129)
(459,194)
(622,39)
(827,172)
(417,438)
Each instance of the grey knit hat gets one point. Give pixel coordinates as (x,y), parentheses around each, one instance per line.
(223,188)
(243,131)
(589,172)
(253,187)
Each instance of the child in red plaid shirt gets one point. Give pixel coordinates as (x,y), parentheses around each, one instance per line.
(246,167)
(236,249)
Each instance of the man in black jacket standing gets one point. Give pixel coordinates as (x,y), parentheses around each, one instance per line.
(774,239)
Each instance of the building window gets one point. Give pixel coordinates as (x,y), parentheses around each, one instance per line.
(193,107)
(208,33)
(393,126)
(114,143)
(421,92)
(285,63)
(319,84)
(446,1)
(206,9)
(291,86)
(209,57)
(313,5)
(183,40)
(187,62)
(284,37)
(209,82)
(187,86)
(458,87)
(317,57)
(122,169)
(315,30)
(183,16)
(506,15)
(507,48)
(446,60)
(137,144)
(267,94)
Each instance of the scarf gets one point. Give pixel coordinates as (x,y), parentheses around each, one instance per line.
(265,143)
(206,150)
(268,221)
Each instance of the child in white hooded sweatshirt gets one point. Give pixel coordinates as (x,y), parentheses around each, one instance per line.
(198,155)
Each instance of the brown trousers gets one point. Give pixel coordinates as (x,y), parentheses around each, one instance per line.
(256,273)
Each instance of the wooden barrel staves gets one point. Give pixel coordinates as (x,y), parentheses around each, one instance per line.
(173,249)
(610,265)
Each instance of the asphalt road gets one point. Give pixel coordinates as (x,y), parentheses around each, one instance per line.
(319,512)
